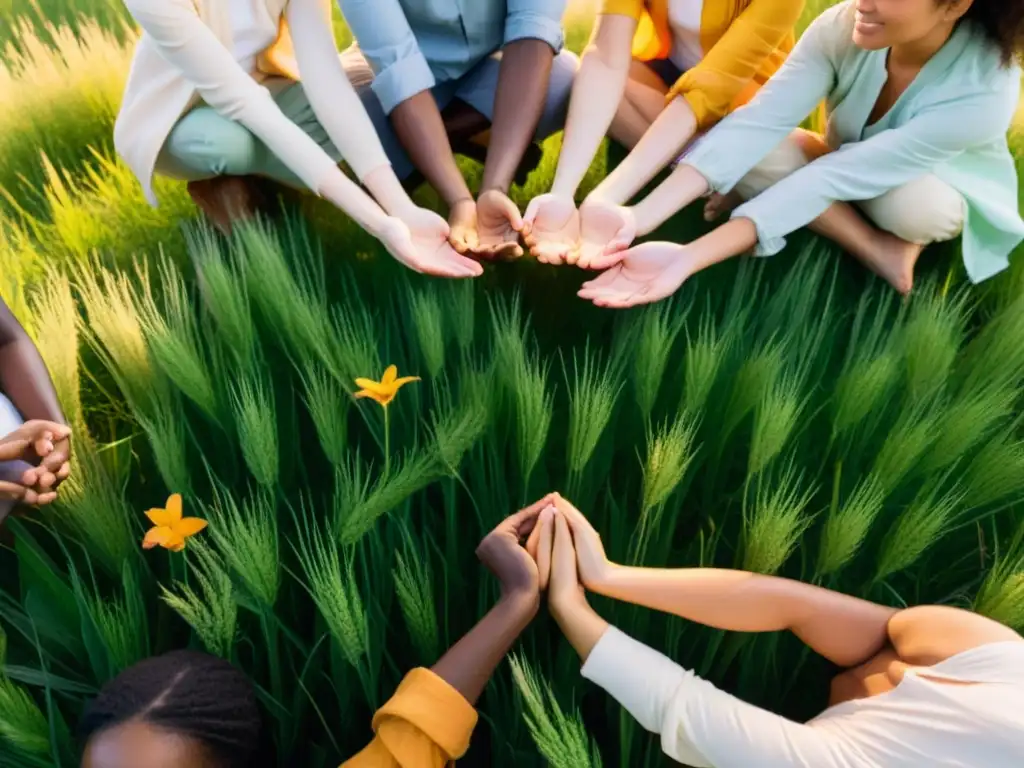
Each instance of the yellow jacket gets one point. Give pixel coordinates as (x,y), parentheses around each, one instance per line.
(744,43)
(426,724)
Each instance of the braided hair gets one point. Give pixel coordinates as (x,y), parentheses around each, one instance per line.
(188,693)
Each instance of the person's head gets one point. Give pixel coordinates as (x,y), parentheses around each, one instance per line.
(890,23)
(181,710)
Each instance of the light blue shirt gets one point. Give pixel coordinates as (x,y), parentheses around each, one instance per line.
(412,45)
(951,121)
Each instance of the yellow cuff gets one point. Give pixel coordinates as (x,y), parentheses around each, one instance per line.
(428,703)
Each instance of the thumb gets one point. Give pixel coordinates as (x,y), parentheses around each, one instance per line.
(532,210)
(511,211)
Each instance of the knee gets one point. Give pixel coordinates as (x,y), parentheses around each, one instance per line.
(924,211)
(205,144)
(787,158)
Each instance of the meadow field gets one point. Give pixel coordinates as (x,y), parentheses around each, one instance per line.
(789,416)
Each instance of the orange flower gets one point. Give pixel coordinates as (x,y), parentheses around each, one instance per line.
(171,529)
(384,391)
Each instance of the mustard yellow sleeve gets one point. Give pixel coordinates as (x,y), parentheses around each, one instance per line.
(632,8)
(729,67)
(426,724)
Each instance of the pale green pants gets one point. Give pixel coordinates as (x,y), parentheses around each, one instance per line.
(205,144)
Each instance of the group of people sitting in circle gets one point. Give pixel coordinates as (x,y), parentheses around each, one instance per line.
(244,99)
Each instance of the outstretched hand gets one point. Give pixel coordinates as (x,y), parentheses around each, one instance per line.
(551,228)
(592,562)
(606,231)
(498,223)
(647,273)
(419,240)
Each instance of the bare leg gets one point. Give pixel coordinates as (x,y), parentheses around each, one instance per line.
(641,104)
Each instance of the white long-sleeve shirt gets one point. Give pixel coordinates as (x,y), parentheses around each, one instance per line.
(966,712)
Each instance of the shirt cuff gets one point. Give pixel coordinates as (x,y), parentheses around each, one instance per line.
(433,707)
(403,80)
(768,243)
(637,676)
(531,25)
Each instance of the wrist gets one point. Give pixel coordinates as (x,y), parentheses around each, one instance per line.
(520,602)
(388,191)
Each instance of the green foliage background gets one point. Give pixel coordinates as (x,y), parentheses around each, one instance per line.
(786,416)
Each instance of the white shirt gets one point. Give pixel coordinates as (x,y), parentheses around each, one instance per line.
(932,718)
(252,31)
(684,19)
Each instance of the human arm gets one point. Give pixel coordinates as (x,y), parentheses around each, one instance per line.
(735,145)
(26,381)
(867,169)
(403,82)
(699,724)
(339,110)
(430,719)
(843,629)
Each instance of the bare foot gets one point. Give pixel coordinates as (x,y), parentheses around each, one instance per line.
(893,260)
(226,200)
(719,204)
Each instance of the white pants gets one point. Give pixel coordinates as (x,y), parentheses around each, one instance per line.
(10,471)
(924,211)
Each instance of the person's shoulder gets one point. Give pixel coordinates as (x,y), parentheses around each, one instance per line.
(980,64)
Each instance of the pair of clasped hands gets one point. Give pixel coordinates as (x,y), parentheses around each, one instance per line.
(45,447)
(550,546)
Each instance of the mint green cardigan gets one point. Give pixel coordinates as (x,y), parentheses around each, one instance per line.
(951,121)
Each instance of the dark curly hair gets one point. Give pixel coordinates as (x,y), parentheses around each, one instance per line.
(1003,22)
(189,693)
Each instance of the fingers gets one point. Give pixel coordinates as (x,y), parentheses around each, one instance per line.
(532,209)
(528,516)
(12,491)
(575,518)
(563,559)
(11,450)
(545,541)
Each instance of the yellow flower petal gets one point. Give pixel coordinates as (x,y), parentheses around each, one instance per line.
(405,380)
(160,518)
(189,526)
(371,386)
(177,546)
(174,506)
(378,396)
(390,375)
(157,537)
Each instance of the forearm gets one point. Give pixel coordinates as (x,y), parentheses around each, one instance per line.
(845,629)
(581,625)
(469,664)
(419,126)
(348,197)
(681,188)
(26,381)
(596,94)
(660,145)
(519,102)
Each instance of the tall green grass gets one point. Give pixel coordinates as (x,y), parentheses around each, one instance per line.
(786,416)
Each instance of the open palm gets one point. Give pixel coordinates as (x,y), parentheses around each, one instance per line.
(648,273)
(420,241)
(498,224)
(552,228)
(606,231)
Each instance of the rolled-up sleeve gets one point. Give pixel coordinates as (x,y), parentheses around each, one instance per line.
(389,45)
(535,20)
(729,67)
(426,724)
(701,725)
